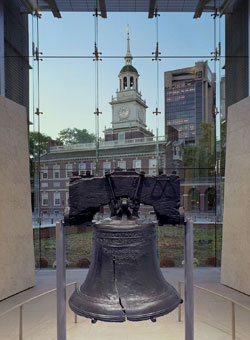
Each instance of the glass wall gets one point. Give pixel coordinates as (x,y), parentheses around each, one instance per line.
(70,93)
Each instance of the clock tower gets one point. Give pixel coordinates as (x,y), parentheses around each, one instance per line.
(128,107)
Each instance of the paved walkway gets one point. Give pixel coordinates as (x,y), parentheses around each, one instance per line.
(212,314)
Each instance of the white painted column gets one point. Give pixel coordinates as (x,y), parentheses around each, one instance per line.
(2,68)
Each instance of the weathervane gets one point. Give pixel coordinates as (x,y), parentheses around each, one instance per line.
(127,29)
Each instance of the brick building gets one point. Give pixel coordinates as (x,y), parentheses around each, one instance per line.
(127,144)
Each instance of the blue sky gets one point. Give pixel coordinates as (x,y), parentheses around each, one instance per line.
(67,85)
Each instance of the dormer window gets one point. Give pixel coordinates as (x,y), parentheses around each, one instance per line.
(131,82)
(125,83)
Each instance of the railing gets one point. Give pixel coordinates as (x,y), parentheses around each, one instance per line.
(180,283)
(233,303)
(135,95)
(20,306)
(106,144)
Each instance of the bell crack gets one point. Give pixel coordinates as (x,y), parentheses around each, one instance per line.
(116,288)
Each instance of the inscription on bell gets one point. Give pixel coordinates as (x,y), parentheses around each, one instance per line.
(121,254)
(124,238)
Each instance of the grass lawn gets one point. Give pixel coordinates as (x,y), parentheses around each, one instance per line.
(171,239)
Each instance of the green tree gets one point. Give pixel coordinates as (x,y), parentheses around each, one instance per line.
(199,160)
(37,142)
(75,136)
(36,138)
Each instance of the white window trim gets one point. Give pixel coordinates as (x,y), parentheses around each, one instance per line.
(119,165)
(134,164)
(56,169)
(45,197)
(82,169)
(55,198)
(92,167)
(69,170)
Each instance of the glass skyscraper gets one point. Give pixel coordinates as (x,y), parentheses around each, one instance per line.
(189,101)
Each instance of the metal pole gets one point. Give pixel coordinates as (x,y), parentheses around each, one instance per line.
(233,322)
(21,323)
(158,243)
(2,60)
(75,314)
(189,289)
(60,281)
(179,307)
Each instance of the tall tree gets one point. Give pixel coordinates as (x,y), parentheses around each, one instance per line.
(75,136)
(37,142)
(200,159)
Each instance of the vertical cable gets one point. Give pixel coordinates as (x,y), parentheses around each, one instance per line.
(217,129)
(39,129)
(219,190)
(96,91)
(37,53)
(156,58)
(215,112)
(157,102)
(33,73)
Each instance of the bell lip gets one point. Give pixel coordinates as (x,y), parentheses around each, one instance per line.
(157,314)
(93,316)
(125,315)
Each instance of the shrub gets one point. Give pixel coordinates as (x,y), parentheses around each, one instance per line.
(54,264)
(167,263)
(196,262)
(212,261)
(83,263)
(42,262)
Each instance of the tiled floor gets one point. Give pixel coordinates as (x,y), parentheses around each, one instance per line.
(212,314)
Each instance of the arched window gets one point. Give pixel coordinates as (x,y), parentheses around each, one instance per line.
(194,200)
(210,199)
(131,82)
(125,84)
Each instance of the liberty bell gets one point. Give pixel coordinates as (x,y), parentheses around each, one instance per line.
(124,281)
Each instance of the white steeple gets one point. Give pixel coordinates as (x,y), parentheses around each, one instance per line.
(128,108)
(128,58)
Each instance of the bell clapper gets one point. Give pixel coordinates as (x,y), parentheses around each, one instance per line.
(93,321)
(153,319)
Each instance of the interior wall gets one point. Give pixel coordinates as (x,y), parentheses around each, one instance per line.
(235,271)
(237,52)
(16,234)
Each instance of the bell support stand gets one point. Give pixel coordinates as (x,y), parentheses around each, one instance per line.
(188,281)
(60,280)
(61,288)
(124,191)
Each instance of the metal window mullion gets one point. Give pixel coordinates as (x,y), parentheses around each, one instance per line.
(2,59)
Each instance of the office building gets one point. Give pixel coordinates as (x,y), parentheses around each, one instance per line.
(189,101)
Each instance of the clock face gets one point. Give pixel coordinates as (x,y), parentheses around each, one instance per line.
(123,112)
